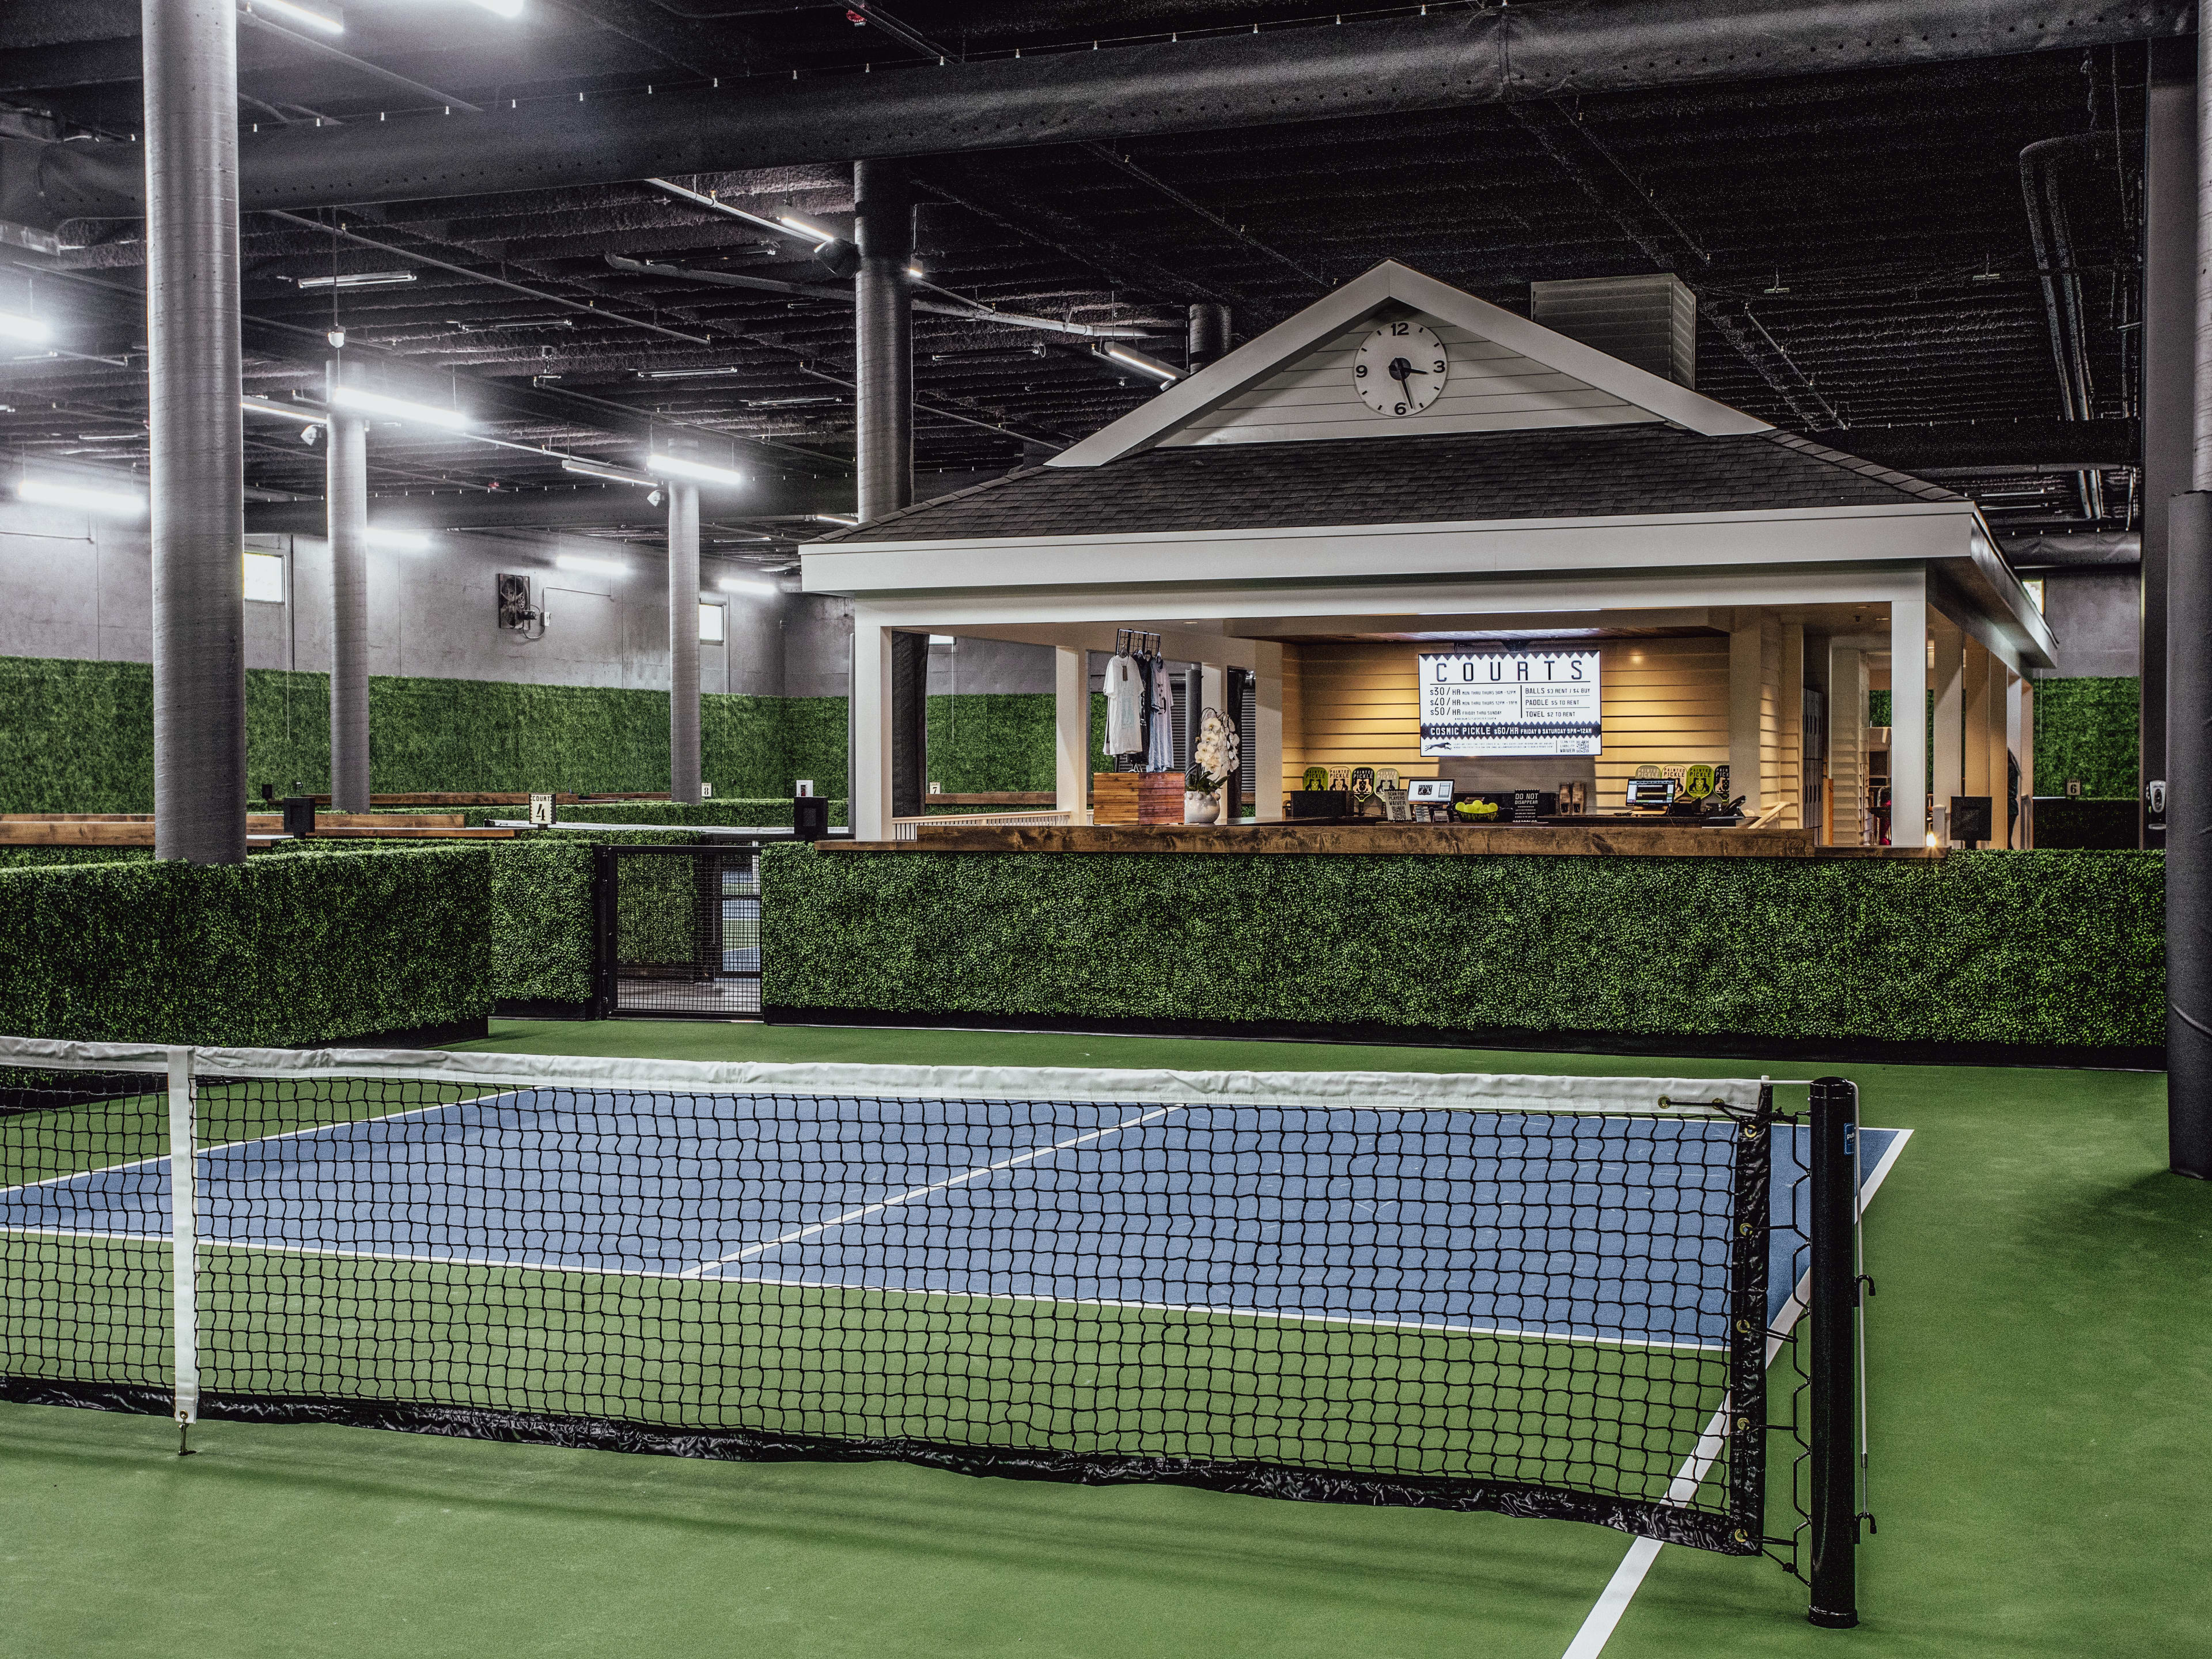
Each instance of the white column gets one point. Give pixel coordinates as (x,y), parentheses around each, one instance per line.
(1264,746)
(1908,728)
(1744,687)
(1213,693)
(1950,773)
(870,807)
(1790,786)
(1070,704)
(1974,699)
(2014,686)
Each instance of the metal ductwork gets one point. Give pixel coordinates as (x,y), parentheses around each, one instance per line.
(882,355)
(1559,49)
(1208,339)
(1649,320)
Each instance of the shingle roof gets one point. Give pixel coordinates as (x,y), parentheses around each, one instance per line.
(1561,472)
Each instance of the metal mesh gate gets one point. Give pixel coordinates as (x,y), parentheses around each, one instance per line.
(680,930)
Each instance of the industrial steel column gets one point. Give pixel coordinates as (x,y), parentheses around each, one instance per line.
(683,643)
(345,497)
(2189,720)
(191,50)
(883,318)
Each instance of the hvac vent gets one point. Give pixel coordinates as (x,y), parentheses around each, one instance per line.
(1650,321)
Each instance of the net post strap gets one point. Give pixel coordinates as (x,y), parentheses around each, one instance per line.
(1702,1097)
(183,1233)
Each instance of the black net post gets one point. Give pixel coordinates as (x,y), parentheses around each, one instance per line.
(1834,1294)
(602,931)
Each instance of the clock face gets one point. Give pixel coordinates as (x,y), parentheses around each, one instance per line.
(1400,369)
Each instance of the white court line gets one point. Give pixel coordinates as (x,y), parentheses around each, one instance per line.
(913,1193)
(1613,1602)
(232,1146)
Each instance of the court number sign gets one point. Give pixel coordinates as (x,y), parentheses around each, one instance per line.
(1509,702)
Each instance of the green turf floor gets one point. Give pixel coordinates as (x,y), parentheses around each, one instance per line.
(2039,1353)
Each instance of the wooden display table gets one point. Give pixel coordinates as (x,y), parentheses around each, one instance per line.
(1600,839)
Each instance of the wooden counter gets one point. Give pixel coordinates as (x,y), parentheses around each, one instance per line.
(1600,839)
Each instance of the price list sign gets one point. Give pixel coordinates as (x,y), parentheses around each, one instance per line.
(1509,702)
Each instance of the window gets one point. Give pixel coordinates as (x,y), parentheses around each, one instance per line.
(710,624)
(2034,586)
(264,577)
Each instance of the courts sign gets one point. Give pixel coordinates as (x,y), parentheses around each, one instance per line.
(1509,702)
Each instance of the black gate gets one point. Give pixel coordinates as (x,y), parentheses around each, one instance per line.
(679,931)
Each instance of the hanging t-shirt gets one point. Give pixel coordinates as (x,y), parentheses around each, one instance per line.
(1159,757)
(1125,708)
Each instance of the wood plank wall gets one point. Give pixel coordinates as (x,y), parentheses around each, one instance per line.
(1356,702)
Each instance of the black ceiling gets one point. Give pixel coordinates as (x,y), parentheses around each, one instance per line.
(1861,245)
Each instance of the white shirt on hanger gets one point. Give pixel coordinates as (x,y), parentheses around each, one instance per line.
(1125,704)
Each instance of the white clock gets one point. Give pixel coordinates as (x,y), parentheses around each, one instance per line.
(1400,369)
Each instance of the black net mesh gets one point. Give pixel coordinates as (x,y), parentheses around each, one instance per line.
(1551,1314)
(686,931)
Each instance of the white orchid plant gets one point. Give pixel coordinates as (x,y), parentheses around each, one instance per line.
(1215,756)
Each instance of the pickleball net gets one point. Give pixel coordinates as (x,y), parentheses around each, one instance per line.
(1540,1296)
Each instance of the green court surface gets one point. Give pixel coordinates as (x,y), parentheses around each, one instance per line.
(2038,1354)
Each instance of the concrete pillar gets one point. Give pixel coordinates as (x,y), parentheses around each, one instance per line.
(683,643)
(1745,689)
(2169,294)
(882,375)
(198,443)
(1264,743)
(870,809)
(1949,775)
(1908,730)
(1071,727)
(345,499)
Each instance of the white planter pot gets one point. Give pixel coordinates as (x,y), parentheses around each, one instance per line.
(1199,809)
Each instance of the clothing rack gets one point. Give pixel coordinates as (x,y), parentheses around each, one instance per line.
(1135,642)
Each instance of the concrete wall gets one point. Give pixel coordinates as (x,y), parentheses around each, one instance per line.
(81,587)
(2097,614)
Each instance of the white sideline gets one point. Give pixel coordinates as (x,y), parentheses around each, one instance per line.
(1628,1577)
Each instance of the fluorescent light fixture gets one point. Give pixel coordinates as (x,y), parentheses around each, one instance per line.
(295,412)
(739,584)
(671,466)
(15,326)
(398,540)
(833,517)
(320,20)
(357,279)
(594,470)
(597,566)
(793,221)
(687,374)
(375,403)
(87,498)
(1142,364)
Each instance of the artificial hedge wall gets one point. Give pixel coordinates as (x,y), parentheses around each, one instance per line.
(312,948)
(2089,728)
(2007,948)
(78,736)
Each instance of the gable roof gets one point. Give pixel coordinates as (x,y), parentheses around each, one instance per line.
(1561,472)
(1188,401)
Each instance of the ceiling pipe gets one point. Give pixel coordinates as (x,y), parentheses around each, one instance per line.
(1556,48)
(883,338)
(1207,339)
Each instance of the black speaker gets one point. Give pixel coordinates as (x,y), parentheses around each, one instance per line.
(810,817)
(1970,818)
(299,815)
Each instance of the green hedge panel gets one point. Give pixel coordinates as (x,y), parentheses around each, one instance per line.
(78,736)
(312,948)
(1994,947)
(541,919)
(989,740)
(2089,728)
